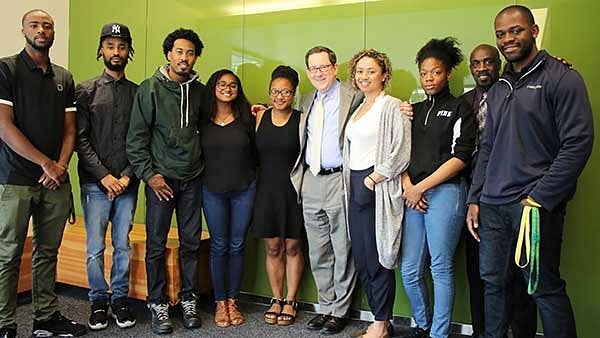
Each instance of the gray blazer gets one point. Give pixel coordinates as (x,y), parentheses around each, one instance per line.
(350,99)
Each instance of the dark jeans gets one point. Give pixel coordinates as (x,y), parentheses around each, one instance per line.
(378,282)
(498,230)
(228,217)
(187,204)
(523,311)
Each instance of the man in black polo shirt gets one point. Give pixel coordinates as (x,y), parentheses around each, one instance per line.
(37,129)
(108,186)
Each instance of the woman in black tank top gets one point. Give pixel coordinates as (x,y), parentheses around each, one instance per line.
(277,213)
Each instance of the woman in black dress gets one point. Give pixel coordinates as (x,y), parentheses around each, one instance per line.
(277,213)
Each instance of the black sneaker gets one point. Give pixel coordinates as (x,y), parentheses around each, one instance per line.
(417,332)
(98,315)
(161,323)
(122,314)
(191,319)
(58,325)
(8,333)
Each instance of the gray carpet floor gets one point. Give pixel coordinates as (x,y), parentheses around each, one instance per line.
(74,305)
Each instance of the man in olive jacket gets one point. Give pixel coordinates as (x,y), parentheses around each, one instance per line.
(163,146)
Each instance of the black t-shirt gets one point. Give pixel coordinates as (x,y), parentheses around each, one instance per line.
(229,156)
(39,102)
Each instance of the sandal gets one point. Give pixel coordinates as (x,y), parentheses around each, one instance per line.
(271,316)
(285,319)
(222,315)
(236,317)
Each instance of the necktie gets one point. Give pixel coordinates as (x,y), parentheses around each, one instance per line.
(315,146)
(482,112)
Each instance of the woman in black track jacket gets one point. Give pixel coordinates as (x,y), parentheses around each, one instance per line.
(443,140)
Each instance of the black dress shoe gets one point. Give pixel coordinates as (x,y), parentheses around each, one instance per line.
(334,325)
(317,322)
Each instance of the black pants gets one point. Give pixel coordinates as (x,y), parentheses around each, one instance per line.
(522,308)
(187,203)
(378,282)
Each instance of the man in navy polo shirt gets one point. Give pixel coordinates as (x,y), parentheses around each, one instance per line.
(37,128)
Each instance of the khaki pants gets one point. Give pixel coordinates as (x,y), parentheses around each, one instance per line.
(49,210)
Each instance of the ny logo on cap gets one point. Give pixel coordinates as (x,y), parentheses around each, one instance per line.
(116,29)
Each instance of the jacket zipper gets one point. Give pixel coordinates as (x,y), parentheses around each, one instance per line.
(521,78)
(429,111)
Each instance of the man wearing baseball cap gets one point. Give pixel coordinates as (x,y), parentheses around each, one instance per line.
(108,185)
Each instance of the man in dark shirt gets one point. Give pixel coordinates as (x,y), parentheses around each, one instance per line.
(37,129)
(108,186)
(537,139)
(485,68)
(163,146)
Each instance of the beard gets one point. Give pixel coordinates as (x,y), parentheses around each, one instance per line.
(116,67)
(40,47)
(521,54)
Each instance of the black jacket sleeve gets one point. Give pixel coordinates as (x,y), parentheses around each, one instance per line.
(85,151)
(466,129)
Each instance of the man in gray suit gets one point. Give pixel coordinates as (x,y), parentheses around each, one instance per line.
(317,178)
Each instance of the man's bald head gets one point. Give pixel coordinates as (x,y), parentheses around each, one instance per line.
(485,65)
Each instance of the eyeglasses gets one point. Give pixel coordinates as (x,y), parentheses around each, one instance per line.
(316,69)
(222,85)
(284,92)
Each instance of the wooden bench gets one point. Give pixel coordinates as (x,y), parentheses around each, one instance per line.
(71,266)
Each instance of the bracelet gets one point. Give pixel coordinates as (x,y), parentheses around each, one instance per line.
(372,180)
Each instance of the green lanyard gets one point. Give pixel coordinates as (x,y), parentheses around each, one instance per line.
(530,222)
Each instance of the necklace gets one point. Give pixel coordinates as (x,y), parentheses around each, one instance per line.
(223,120)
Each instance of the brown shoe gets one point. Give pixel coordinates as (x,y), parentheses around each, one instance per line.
(237,318)
(222,315)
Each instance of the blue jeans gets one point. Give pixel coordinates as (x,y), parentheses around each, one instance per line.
(498,230)
(98,210)
(434,234)
(187,204)
(228,216)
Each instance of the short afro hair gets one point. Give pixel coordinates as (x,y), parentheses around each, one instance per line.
(446,50)
(186,34)
(526,12)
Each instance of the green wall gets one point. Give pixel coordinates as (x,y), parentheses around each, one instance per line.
(254,44)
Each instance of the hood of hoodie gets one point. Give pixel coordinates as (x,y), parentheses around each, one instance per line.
(181,88)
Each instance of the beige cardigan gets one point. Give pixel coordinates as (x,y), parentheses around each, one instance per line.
(391,159)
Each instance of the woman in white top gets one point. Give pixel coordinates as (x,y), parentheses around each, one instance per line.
(376,152)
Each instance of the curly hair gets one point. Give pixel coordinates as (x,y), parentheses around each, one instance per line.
(446,50)
(239,106)
(286,72)
(186,34)
(382,60)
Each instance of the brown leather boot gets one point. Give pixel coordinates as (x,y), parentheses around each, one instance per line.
(237,318)
(222,314)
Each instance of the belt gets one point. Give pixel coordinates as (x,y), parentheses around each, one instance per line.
(329,171)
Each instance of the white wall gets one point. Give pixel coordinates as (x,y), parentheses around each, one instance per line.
(11,38)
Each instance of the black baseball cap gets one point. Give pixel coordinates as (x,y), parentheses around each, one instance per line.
(115,30)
